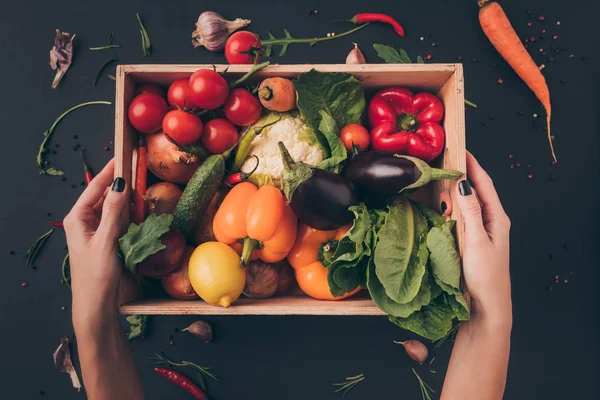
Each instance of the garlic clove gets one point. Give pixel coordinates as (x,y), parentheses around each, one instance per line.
(202,329)
(355,56)
(415,350)
(212,30)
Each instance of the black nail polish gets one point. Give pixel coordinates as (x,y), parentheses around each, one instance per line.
(464,188)
(443,207)
(118,185)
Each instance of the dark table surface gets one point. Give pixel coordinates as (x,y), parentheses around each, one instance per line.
(554,212)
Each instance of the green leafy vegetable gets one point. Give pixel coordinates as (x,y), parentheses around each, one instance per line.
(137,326)
(400,260)
(432,322)
(39,161)
(432,217)
(420,60)
(328,102)
(346,267)
(392,56)
(143,240)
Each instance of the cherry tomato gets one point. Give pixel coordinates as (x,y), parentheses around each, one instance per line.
(178,95)
(183,127)
(239,48)
(355,134)
(219,135)
(146,112)
(242,108)
(150,88)
(208,89)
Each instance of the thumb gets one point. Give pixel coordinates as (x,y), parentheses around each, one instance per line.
(471,211)
(114,204)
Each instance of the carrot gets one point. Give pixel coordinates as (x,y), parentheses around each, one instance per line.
(139,197)
(277,94)
(497,27)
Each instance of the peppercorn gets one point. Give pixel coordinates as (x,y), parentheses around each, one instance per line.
(567,246)
(530,176)
(11,252)
(428,57)
(24,284)
(106,148)
(34,267)
(473,60)
(510,156)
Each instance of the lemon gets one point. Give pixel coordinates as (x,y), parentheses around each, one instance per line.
(216,274)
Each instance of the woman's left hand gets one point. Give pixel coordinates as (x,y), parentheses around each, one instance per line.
(93,228)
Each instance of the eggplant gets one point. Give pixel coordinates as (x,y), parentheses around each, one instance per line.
(319,198)
(378,176)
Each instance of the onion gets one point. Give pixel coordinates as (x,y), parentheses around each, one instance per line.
(167,259)
(177,283)
(162,197)
(286,276)
(168,162)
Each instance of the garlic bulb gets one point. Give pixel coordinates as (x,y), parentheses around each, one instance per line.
(355,56)
(212,30)
(415,350)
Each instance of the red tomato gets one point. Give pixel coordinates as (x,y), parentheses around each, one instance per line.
(355,134)
(239,48)
(182,127)
(242,108)
(208,89)
(178,95)
(219,135)
(150,88)
(146,112)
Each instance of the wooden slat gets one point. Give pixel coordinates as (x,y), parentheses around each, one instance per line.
(300,305)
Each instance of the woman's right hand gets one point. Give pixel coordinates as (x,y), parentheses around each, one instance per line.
(486,246)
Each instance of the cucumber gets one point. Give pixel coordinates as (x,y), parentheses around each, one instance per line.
(198,194)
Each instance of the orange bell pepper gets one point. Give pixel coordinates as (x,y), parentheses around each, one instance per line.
(311,274)
(261,219)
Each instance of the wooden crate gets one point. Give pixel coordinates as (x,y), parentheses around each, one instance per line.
(446,80)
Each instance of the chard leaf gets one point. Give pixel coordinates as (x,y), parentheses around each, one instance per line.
(143,240)
(431,322)
(400,256)
(328,102)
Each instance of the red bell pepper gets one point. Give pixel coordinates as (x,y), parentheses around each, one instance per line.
(407,124)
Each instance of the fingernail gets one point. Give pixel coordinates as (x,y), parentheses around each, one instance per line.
(464,188)
(118,185)
(443,207)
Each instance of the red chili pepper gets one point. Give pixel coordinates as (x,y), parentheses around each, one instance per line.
(376,17)
(86,169)
(234,179)
(56,224)
(182,381)
(141,175)
(407,124)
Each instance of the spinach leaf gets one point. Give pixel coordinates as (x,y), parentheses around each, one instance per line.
(432,217)
(445,267)
(432,321)
(346,268)
(328,102)
(143,240)
(388,305)
(400,255)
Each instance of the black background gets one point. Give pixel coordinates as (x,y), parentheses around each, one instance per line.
(554,351)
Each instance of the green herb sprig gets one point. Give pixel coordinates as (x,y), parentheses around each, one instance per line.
(108,45)
(288,39)
(146,44)
(450,336)
(103,66)
(39,161)
(34,251)
(349,383)
(426,390)
(201,372)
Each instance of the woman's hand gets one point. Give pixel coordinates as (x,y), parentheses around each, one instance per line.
(486,245)
(93,228)
(479,360)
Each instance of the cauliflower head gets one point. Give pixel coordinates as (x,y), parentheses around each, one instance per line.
(297,138)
